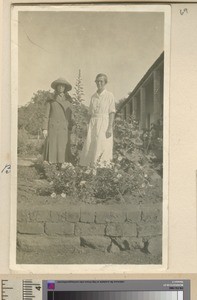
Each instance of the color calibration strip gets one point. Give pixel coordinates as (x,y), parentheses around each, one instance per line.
(130,295)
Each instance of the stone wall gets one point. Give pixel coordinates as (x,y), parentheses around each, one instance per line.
(108,228)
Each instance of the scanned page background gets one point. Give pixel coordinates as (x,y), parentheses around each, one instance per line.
(182,256)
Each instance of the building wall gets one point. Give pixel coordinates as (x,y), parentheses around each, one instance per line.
(145,103)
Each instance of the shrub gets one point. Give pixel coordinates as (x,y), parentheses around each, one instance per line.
(28,146)
(22,141)
(129,173)
(89,184)
(64,181)
(80,114)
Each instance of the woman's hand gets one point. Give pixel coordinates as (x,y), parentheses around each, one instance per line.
(45,133)
(108,132)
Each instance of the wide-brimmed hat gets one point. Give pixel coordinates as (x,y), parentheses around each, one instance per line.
(63,81)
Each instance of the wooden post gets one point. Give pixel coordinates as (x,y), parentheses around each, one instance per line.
(156,95)
(142,108)
(134,100)
(128,113)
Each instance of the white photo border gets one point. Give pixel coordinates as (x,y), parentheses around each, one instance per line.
(78,268)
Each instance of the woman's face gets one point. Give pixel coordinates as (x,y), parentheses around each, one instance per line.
(60,88)
(100,82)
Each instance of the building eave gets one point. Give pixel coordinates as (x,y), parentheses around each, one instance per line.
(158,61)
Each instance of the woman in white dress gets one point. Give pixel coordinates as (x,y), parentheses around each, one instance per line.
(98,146)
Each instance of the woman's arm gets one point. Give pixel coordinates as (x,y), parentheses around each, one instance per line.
(110,125)
(111,112)
(89,115)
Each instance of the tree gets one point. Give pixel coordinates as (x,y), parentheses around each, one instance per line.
(30,116)
(78,94)
(120,103)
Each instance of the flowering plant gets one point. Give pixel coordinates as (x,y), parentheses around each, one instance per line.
(130,171)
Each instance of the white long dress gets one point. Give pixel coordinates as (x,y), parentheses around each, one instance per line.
(98,148)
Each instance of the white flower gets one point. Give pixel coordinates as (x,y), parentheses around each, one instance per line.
(51,183)
(111,165)
(87,171)
(63,195)
(53,195)
(119,175)
(94,172)
(83,182)
(71,166)
(67,165)
(143,185)
(119,158)
(145,175)
(108,165)
(64,166)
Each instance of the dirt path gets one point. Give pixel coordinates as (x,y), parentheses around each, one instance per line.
(88,257)
(26,162)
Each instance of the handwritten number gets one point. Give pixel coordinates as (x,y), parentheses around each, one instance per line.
(6,169)
(183,11)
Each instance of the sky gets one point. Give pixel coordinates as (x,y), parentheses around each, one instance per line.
(57,44)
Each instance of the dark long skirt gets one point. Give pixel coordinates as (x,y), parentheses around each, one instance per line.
(57,147)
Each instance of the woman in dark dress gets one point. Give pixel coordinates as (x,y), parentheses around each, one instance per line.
(57,123)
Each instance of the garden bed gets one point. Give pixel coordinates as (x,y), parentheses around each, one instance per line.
(72,231)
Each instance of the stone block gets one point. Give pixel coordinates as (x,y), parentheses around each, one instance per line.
(114,229)
(47,244)
(83,229)
(152,213)
(149,229)
(30,228)
(112,216)
(134,242)
(134,215)
(59,228)
(23,215)
(87,215)
(102,216)
(57,216)
(73,215)
(96,242)
(155,245)
(39,215)
(128,243)
(129,229)
(114,248)
(121,243)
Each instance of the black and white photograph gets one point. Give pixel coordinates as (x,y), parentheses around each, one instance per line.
(90,134)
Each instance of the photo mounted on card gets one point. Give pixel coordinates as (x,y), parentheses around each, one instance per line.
(90,98)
